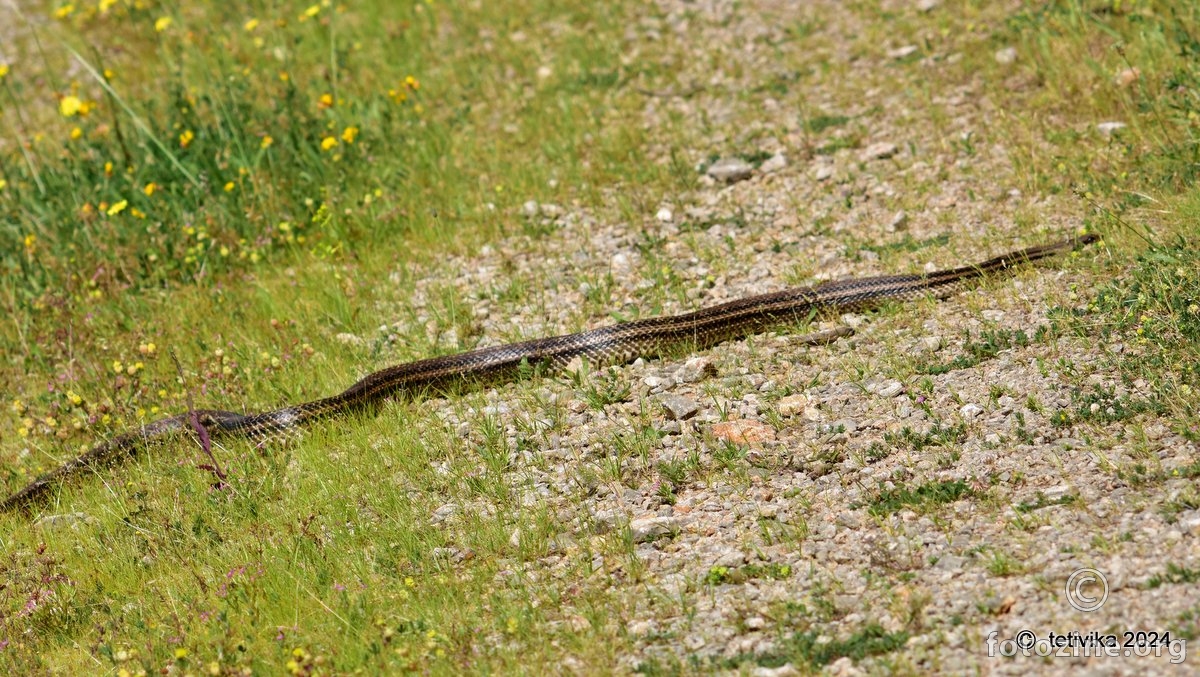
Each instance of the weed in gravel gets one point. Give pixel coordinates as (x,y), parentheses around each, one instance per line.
(923,498)
(1174,575)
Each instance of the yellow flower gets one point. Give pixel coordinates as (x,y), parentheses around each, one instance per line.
(118,208)
(349,134)
(229,187)
(181,652)
(69,105)
(75,399)
(3,70)
(186,138)
(150,188)
(108,169)
(76,133)
(398,95)
(250,25)
(117,366)
(106,5)
(162,24)
(412,83)
(312,11)
(266,142)
(3,183)
(326,101)
(64,11)
(328,143)
(30,243)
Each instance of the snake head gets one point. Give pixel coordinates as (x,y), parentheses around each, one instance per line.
(215,419)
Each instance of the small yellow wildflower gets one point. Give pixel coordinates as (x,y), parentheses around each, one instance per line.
(326,101)
(108,169)
(163,23)
(117,367)
(328,143)
(349,134)
(76,133)
(284,226)
(74,398)
(51,422)
(312,11)
(181,652)
(106,5)
(109,74)
(30,243)
(3,183)
(250,25)
(266,142)
(137,213)
(150,188)
(228,186)
(69,105)
(64,11)
(3,70)
(398,95)
(412,83)
(186,138)
(118,207)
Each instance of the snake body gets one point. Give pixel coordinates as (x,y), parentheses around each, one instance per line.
(613,344)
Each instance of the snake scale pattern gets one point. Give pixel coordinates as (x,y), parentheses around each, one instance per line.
(614,344)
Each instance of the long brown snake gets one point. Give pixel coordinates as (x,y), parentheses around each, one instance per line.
(614,344)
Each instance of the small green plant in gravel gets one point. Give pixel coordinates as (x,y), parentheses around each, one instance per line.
(1174,575)
(925,497)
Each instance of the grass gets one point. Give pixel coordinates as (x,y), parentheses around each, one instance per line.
(258,191)
(925,497)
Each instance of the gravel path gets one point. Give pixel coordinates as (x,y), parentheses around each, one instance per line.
(782,456)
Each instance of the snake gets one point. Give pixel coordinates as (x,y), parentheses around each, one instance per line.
(607,345)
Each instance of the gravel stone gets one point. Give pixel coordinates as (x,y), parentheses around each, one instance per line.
(927,344)
(696,369)
(791,405)
(730,170)
(891,389)
(775,163)
(743,431)
(679,408)
(652,528)
(879,151)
